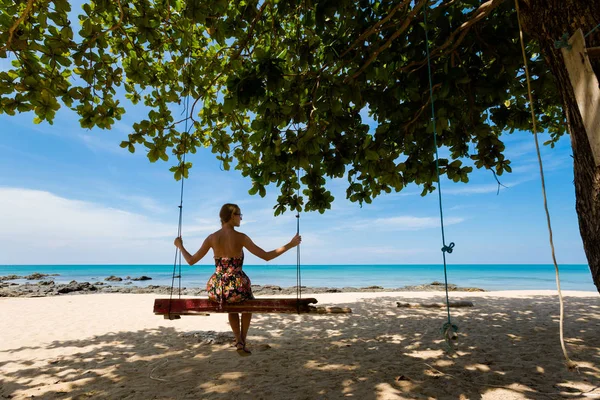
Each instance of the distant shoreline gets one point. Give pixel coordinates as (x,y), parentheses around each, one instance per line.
(47,287)
(390,278)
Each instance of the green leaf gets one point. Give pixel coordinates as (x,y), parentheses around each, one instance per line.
(327,104)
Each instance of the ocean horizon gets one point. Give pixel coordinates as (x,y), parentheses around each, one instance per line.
(388,276)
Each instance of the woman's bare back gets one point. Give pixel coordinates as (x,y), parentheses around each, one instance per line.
(227,243)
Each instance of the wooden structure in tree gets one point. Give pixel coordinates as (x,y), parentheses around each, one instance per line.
(586,87)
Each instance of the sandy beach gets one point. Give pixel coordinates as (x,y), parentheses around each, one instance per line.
(113,346)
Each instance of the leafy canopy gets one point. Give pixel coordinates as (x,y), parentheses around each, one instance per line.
(271,86)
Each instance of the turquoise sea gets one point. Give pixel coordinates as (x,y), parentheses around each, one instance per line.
(485,276)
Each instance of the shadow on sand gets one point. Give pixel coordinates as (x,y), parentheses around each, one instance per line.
(507,347)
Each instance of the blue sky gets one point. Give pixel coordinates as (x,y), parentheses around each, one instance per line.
(69,195)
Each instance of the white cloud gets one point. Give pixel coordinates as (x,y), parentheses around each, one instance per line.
(486,188)
(146,203)
(474,189)
(41,227)
(520,148)
(400,223)
(96,143)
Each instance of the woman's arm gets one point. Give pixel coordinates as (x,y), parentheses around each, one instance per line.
(193,259)
(269,255)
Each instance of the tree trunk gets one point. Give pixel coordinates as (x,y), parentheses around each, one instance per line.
(546,21)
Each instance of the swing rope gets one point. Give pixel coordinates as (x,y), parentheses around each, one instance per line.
(563,42)
(448,329)
(590,32)
(569,362)
(298,272)
(178,254)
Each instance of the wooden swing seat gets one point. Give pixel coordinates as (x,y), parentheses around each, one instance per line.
(188,306)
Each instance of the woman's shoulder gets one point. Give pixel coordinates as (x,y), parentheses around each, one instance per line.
(225,233)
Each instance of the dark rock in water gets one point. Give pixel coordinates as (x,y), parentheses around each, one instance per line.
(272,287)
(35,276)
(74,286)
(436,283)
(113,278)
(51,288)
(472,289)
(10,277)
(142,278)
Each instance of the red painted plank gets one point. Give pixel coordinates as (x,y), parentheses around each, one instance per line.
(195,306)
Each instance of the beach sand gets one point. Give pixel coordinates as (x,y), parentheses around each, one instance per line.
(113,346)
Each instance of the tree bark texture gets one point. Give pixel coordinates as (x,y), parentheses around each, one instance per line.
(546,21)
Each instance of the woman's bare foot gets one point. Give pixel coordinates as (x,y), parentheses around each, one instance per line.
(241,349)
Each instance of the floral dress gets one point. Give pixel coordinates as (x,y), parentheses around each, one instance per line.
(229,284)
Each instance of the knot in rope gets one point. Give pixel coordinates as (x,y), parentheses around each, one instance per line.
(448,249)
(449,331)
(563,42)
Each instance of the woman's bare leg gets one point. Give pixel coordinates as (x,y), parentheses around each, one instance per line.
(234,322)
(246,318)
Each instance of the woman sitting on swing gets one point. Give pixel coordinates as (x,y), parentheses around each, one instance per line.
(229,284)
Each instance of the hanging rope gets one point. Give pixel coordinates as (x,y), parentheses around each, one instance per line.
(448,329)
(590,32)
(563,42)
(569,362)
(177,262)
(178,255)
(298,272)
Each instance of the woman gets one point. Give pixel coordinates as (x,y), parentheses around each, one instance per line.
(229,283)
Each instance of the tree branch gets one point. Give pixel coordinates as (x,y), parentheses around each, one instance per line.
(375,27)
(250,31)
(388,43)
(497,180)
(234,56)
(13,28)
(363,36)
(483,11)
(112,28)
(418,114)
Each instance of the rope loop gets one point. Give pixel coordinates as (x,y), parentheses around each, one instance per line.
(449,331)
(448,249)
(563,42)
